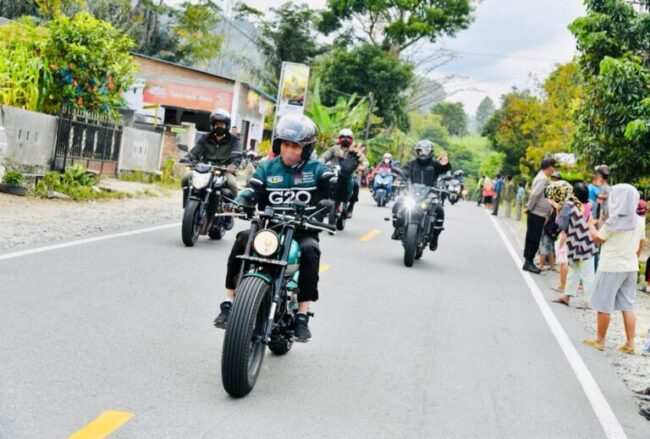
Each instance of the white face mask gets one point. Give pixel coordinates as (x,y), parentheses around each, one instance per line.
(387,161)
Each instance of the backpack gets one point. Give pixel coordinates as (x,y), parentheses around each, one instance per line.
(551,228)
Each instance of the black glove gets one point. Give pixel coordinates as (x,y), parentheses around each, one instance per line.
(349,164)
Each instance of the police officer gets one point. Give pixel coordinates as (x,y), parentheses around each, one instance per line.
(424,170)
(293,175)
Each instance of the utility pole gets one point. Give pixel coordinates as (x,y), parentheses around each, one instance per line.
(371,106)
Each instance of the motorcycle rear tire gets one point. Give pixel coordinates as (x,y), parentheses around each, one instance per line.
(217,231)
(280,346)
(243,348)
(410,244)
(190,228)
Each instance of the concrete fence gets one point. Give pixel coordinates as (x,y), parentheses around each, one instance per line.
(28,141)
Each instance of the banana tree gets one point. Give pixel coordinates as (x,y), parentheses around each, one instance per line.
(351,113)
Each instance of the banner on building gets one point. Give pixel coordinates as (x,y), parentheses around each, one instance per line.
(292,92)
(187,96)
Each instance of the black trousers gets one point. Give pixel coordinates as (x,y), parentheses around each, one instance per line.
(309,264)
(535,226)
(497,198)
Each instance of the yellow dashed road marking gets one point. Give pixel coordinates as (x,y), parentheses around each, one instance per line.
(368,236)
(103,425)
(323,268)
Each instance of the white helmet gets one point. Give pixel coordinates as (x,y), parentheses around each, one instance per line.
(388,156)
(346,132)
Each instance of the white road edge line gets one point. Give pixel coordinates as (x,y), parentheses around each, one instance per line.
(32,251)
(604,413)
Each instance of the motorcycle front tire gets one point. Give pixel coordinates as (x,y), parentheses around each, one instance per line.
(410,244)
(243,347)
(191,227)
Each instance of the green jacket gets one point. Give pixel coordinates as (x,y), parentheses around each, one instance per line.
(276,185)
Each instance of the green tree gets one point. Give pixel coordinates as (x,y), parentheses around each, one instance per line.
(367,69)
(396,25)
(514,127)
(484,111)
(288,34)
(453,117)
(90,63)
(613,122)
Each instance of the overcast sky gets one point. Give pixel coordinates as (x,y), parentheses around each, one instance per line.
(508,40)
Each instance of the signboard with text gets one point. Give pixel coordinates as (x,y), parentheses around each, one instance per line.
(293,88)
(187,96)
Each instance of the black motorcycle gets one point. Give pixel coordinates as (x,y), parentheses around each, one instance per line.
(416,214)
(339,210)
(204,197)
(266,298)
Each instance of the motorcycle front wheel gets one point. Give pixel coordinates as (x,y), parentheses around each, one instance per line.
(410,244)
(243,346)
(191,225)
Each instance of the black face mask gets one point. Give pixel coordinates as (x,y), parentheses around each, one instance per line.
(219,131)
(345,143)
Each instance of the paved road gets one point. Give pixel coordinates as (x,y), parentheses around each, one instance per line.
(454,347)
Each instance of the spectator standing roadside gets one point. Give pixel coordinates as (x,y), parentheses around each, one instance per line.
(480,191)
(508,195)
(520,198)
(538,208)
(602,174)
(575,212)
(488,192)
(621,236)
(498,190)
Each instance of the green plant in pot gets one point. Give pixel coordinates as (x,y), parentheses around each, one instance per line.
(12,183)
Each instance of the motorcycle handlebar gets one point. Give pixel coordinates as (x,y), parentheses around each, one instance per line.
(322,225)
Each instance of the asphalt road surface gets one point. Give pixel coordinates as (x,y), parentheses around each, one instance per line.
(115,336)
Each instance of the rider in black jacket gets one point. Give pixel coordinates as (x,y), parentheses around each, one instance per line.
(216,147)
(424,170)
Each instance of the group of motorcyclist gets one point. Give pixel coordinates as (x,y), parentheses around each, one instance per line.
(294,176)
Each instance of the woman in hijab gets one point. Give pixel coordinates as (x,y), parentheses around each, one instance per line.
(622,238)
(580,247)
(559,192)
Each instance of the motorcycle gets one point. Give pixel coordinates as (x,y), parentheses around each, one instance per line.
(207,192)
(383,182)
(266,301)
(338,211)
(416,229)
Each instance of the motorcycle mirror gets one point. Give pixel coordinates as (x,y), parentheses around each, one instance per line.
(255,184)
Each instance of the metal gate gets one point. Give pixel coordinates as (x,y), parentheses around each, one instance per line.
(88,139)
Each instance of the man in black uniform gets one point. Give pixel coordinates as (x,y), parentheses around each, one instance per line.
(424,170)
(215,147)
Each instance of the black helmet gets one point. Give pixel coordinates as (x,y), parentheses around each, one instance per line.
(296,128)
(427,147)
(220,115)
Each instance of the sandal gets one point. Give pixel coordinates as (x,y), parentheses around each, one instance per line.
(593,343)
(558,289)
(625,350)
(559,300)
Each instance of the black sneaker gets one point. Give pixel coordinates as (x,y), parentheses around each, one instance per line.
(395,235)
(348,213)
(529,266)
(301,330)
(222,318)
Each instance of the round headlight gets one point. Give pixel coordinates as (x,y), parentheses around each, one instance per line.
(200,180)
(266,243)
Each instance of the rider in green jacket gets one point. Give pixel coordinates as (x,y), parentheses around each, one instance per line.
(279,183)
